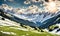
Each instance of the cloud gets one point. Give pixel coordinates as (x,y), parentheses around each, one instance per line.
(19,10)
(27,2)
(31,9)
(32,1)
(36,0)
(55,8)
(5,7)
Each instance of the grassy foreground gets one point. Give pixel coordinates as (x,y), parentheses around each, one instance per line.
(17,32)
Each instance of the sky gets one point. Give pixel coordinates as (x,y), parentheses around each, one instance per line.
(13,3)
(17,3)
(37,4)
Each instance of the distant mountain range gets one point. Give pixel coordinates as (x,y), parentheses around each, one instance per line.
(43,20)
(40,20)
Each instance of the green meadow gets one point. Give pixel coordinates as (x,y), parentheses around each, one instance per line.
(16,32)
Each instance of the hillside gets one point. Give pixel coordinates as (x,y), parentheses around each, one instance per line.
(11,28)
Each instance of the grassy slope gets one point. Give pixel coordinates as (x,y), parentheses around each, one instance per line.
(22,33)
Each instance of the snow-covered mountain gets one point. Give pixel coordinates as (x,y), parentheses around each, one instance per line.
(40,19)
